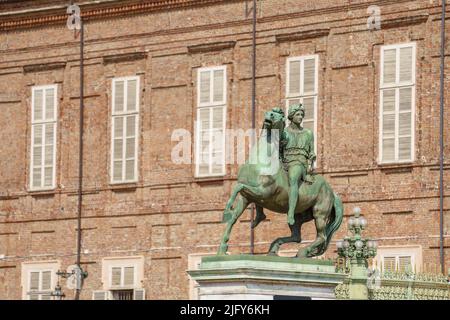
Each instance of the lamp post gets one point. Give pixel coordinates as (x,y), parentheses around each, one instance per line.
(358,250)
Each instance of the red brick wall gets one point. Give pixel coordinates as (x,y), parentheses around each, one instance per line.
(169,214)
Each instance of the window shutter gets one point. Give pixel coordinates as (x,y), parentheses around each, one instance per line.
(131,95)
(204,140)
(34,281)
(119,96)
(118,145)
(309,76)
(389,264)
(116,276)
(211,121)
(139,294)
(308,121)
(397,104)
(388,129)
(46,280)
(125,122)
(218,87)
(38,105)
(128,276)
(205,87)
(43,144)
(37,155)
(404,263)
(406,64)
(405,124)
(294,78)
(50,131)
(49,104)
(389,66)
(100,295)
(130,147)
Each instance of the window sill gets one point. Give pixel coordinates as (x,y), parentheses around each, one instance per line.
(211,179)
(42,192)
(125,186)
(396,167)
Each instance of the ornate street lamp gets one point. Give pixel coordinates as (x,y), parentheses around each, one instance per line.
(357,250)
(57,293)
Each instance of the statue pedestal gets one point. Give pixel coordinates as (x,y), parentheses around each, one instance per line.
(249,277)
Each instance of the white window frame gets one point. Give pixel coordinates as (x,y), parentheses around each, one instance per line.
(28,267)
(124,114)
(302,95)
(44,123)
(397,86)
(40,291)
(415,252)
(210,105)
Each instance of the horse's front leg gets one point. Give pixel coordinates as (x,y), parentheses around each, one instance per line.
(241,205)
(295,236)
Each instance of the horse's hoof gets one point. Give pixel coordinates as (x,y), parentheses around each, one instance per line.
(222,251)
(302,254)
(272,254)
(259,218)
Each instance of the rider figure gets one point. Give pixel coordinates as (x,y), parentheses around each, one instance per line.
(297,155)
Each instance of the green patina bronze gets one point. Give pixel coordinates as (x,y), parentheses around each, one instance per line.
(278,176)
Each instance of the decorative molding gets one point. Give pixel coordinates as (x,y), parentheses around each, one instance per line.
(88,12)
(208,47)
(302,35)
(349,66)
(399,212)
(399,169)
(123,57)
(404,21)
(43,66)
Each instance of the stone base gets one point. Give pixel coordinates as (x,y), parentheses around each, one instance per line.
(249,277)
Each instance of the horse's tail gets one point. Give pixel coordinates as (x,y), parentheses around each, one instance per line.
(334,224)
(227,214)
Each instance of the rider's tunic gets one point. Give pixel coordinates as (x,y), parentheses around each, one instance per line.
(298,147)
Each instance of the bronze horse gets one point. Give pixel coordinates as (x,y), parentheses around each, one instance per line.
(267,186)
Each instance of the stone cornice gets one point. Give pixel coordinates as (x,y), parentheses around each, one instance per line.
(124,57)
(43,66)
(95,11)
(302,35)
(216,46)
(404,21)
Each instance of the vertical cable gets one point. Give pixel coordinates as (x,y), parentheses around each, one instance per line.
(441,143)
(252,214)
(80,160)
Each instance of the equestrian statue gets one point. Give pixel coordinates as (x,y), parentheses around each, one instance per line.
(279,176)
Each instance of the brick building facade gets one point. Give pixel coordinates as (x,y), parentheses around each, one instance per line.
(151,67)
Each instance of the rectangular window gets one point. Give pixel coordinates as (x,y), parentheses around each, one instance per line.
(40,285)
(397,103)
(302,87)
(125,129)
(43,137)
(399,259)
(210,127)
(122,277)
(399,263)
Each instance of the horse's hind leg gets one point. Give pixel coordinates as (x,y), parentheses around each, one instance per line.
(241,205)
(320,216)
(295,236)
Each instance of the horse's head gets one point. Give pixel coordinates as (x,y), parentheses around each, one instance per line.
(274,119)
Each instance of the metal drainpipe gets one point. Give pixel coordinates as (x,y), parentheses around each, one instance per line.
(80,160)
(441,142)
(252,214)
